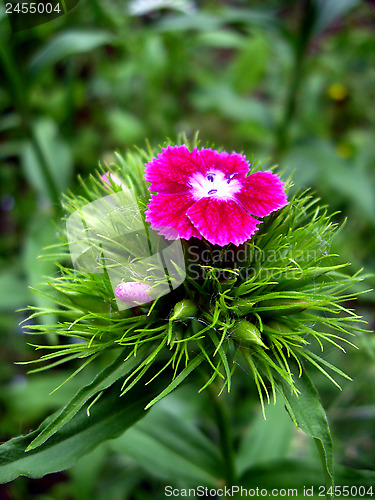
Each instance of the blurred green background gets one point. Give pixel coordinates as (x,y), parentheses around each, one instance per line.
(289,81)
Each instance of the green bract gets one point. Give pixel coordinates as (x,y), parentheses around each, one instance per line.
(266,305)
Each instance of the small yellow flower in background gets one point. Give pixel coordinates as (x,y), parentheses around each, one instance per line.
(337,91)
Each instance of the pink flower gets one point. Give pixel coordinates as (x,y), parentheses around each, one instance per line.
(207,194)
(133,293)
(108,177)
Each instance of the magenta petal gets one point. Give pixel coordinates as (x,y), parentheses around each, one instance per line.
(262,193)
(166,211)
(222,221)
(228,163)
(170,171)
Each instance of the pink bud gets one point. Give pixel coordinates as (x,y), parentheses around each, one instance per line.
(108,177)
(133,293)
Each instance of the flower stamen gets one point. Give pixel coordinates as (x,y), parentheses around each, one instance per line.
(213,183)
(230,177)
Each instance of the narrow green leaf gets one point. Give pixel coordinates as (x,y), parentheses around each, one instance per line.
(308,413)
(109,418)
(47,161)
(180,378)
(169,446)
(67,44)
(102,381)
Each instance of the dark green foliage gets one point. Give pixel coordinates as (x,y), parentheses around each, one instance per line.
(263,303)
(287,82)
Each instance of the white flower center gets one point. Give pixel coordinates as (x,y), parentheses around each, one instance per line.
(214,184)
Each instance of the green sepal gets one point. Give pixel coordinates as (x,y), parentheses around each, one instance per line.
(283,306)
(184,309)
(242,307)
(247,333)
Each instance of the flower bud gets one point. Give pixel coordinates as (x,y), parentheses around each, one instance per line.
(243,306)
(247,333)
(184,309)
(133,293)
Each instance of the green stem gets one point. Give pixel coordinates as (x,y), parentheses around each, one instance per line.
(226,442)
(300,49)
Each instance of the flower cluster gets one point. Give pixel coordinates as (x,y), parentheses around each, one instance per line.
(226,315)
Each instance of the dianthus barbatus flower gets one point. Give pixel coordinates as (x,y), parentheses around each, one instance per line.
(203,193)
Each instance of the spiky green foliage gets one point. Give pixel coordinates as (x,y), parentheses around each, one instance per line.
(266,305)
